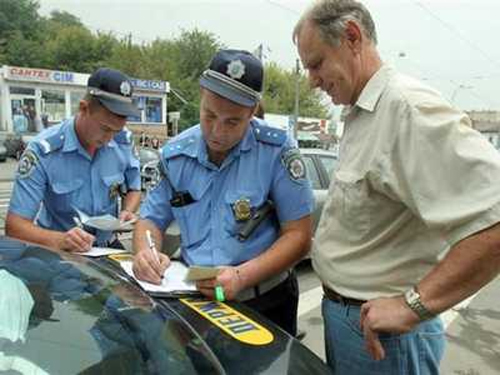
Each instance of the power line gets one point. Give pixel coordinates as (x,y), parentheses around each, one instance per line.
(276,4)
(457,33)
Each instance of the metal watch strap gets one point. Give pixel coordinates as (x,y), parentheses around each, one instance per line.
(412,299)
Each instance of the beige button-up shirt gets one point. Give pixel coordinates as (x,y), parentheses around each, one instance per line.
(413,179)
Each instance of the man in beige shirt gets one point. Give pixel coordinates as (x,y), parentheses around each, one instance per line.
(410,225)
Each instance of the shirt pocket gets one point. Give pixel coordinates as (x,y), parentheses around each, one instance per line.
(350,198)
(109,196)
(255,198)
(194,218)
(66,195)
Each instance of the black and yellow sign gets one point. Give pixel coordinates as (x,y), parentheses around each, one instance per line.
(231,321)
(121,257)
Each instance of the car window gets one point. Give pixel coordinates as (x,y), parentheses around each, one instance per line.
(329,163)
(312,173)
(79,320)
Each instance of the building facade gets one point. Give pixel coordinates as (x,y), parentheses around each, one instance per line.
(33,99)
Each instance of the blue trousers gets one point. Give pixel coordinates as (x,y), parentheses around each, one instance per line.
(415,353)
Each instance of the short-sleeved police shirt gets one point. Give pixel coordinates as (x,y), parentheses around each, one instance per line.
(262,166)
(56,176)
(413,179)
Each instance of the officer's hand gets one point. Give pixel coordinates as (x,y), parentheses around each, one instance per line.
(76,240)
(228,278)
(147,268)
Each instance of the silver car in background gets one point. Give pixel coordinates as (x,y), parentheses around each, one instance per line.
(320,165)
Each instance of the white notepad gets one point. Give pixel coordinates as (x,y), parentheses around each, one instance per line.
(101,251)
(174,279)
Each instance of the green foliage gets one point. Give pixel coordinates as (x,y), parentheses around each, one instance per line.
(71,48)
(64,19)
(62,42)
(18,15)
(280,91)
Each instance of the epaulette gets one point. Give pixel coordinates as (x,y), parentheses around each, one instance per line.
(52,143)
(269,134)
(124,137)
(178,147)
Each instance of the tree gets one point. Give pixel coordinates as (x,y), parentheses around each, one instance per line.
(72,48)
(19,15)
(21,51)
(19,25)
(65,19)
(279,93)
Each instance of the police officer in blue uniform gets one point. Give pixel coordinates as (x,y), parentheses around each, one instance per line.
(219,179)
(83,164)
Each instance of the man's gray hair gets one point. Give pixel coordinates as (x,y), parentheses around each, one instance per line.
(331,17)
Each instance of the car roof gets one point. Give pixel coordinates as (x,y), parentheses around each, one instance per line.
(318,151)
(86,315)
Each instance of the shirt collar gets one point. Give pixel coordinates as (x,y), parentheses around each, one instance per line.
(199,149)
(374,88)
(71,141)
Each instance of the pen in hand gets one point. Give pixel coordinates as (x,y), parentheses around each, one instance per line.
(78,222)
(152,246)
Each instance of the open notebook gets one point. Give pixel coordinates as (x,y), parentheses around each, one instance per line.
(173,284)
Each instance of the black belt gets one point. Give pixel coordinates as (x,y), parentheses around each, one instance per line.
(334,296)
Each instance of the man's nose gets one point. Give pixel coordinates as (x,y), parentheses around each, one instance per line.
(218,128)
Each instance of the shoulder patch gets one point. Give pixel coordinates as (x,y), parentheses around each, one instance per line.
(179,147)
(270,135)
(294,164)
(27,164)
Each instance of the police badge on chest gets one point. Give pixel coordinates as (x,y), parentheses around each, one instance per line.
(242,210)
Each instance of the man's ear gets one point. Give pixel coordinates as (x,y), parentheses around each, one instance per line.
(353,35)
(84,106)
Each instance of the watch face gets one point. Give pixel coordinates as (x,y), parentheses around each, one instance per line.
(411,296)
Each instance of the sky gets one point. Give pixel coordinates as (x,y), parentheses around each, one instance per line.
(450,44)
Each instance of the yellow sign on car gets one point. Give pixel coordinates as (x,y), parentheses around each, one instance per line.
(234,323)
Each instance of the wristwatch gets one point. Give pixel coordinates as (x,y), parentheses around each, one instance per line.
(412,299)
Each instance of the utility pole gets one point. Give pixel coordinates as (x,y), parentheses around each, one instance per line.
(297,92)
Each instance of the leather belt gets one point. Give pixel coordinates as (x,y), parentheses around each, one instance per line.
(334,296)
(263,287)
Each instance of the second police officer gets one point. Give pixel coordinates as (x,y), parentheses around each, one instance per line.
(219,176)
(82,164)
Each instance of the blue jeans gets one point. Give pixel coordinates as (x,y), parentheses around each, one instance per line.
(415,353)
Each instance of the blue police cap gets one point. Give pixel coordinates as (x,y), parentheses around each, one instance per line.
(114,91)
(235,75)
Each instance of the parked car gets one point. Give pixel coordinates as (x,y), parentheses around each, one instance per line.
(150,173)
(5,146)
(13,143)
(320,165)
(65,314)
(3,152)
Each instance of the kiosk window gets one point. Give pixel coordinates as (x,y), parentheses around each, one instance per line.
(53,105)
(139,101)
(153,110)
(76,96)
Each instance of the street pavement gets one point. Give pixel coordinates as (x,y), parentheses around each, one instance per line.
(472,328)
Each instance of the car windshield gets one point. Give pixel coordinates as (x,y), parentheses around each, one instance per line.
(62,315)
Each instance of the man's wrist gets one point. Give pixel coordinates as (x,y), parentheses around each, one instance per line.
(414,302)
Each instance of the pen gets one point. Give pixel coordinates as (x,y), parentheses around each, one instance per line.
(78,222)
(152,246)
